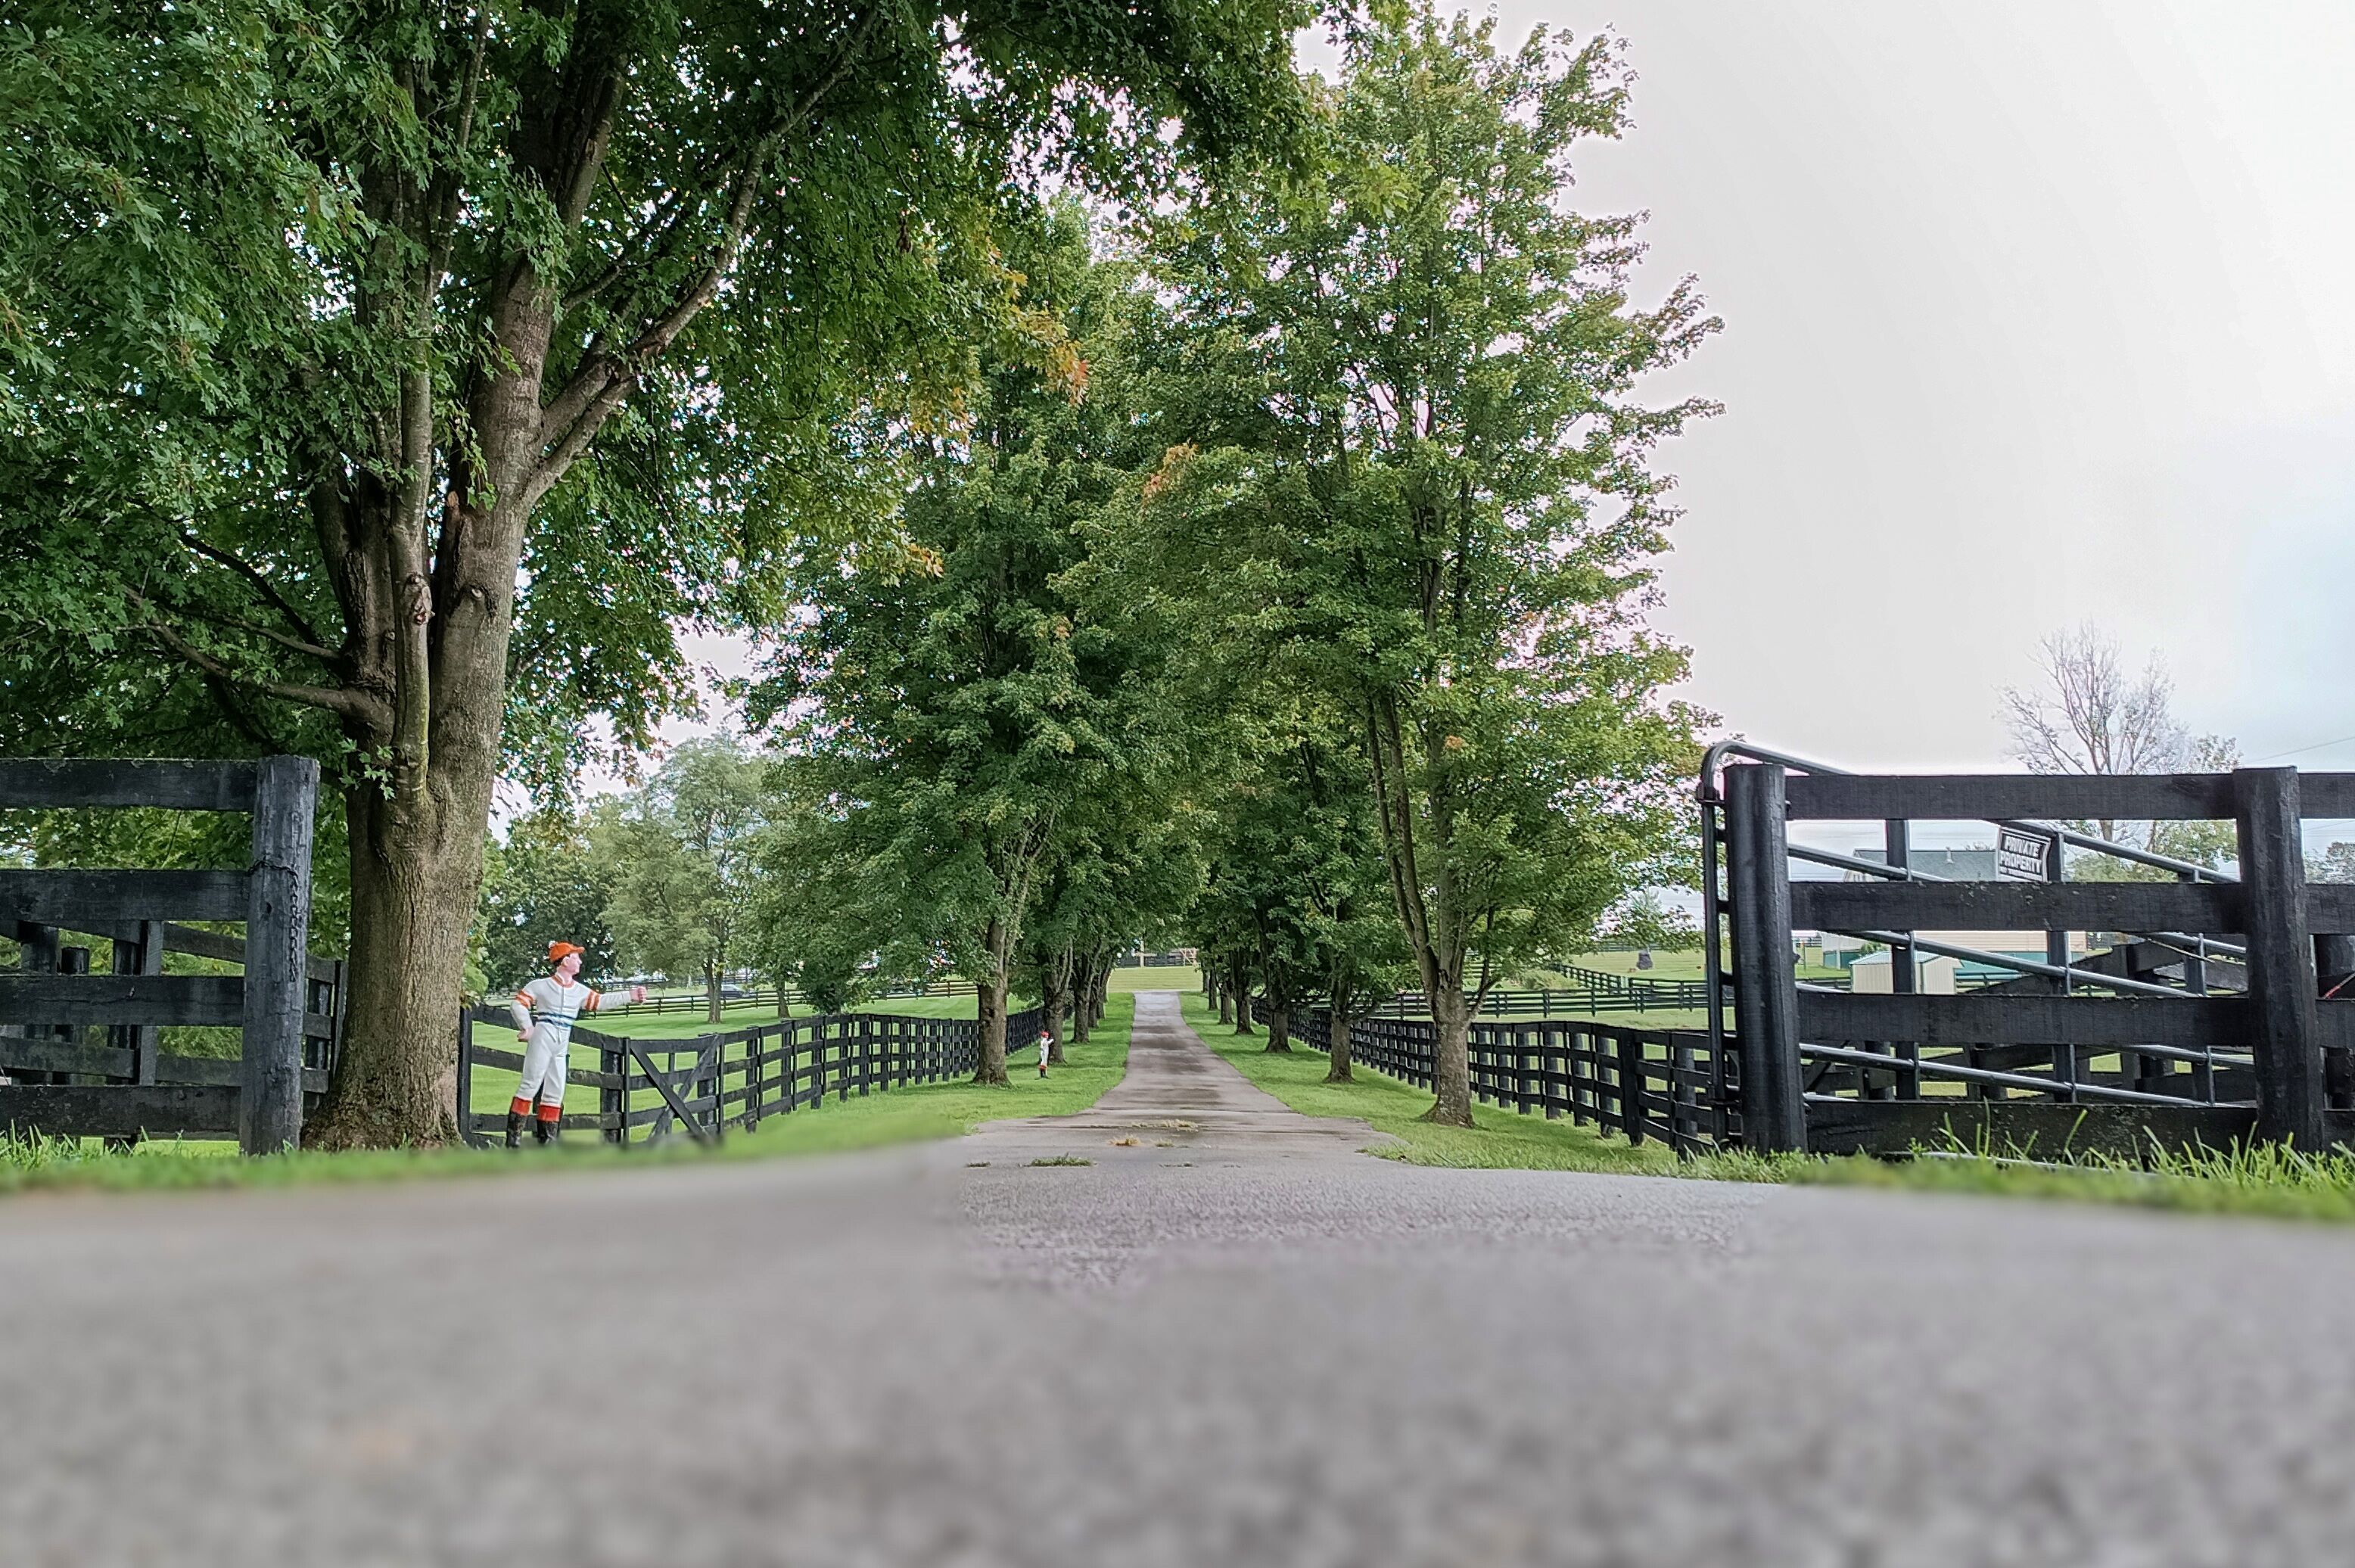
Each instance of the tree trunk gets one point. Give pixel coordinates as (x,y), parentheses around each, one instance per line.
(412,898)
(1451,1065)
(1279,1027)
(1337,1070)
(1055,988)
(1345,997)
(991,1004)
(1081,1022)
(1099,986)
(1242,1005)
(1226,997)
(711,993)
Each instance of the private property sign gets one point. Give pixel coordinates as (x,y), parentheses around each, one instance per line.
(2021,856)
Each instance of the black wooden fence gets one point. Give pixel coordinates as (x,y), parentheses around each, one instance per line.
(651,1089)
(66,1078)
(1643,1083)
(2200,1022)
(1585,993)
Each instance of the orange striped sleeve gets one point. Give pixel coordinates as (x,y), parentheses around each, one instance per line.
(594,997)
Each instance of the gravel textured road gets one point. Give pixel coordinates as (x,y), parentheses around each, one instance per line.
(1253,1345)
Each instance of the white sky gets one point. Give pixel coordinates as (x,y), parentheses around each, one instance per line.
(2037,311)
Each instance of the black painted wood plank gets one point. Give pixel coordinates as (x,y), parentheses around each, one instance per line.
(119,898)
(119,1111)
(1976,1019)
(2020,906)
(2285,1031)
(226,1072)
(172,999)
(2330,908)
(277,922)
(1866,798)
(115,781)
(19,1055)
(2326,795)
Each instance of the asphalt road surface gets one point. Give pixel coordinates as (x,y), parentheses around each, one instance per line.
(1232,1340)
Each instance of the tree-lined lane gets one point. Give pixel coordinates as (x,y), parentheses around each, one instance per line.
(1261,1348)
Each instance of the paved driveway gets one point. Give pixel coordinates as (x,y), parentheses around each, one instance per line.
(1251,1346)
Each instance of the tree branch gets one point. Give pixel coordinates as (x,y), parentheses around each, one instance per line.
(599,385)
(325,656)
(267,589)
(356,705)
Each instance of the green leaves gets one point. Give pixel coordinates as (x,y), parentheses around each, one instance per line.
(683,858)
(1400,396)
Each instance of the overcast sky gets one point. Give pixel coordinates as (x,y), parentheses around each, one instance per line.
(2035,313)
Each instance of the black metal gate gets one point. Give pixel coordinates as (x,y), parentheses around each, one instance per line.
(2192,1016)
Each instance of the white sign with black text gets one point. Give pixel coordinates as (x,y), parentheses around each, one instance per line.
(2022,857)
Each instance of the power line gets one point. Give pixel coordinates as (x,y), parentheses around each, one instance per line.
(2301,750)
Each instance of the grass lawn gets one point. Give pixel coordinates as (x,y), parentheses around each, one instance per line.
(2263,1182)
(1183,978)
(898,1116)
(1666,964)
(1502,1140)
(951,1110)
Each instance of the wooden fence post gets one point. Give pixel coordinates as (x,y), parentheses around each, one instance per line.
(1767,991)
(2334,965)
(277,930)
(2286,1040)
(1630,1047)
(614,1099)
(466,1105)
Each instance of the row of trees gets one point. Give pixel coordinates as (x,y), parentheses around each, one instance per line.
(1172,494)
(1297,599)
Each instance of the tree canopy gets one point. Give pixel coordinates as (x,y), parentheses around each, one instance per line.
(1168,493)
(1402,394)
(391,382)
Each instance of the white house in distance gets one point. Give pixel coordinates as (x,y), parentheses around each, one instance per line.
(1870,971)
(1933,973)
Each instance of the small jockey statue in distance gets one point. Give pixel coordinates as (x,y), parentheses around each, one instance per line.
(544,1011)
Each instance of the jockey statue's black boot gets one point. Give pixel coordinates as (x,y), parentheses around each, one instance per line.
(515,1130)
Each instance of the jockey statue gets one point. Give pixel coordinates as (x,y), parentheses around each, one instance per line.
(544,1011)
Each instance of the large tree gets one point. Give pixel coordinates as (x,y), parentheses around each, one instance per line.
(952,702)
(682,854)
(545,883)
(386,382)
(1403,394)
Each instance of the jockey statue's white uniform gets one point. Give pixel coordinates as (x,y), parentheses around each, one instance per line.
(544,1011)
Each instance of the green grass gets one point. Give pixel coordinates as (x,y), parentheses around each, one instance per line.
(951,1110)
(1666,964)
(1501,1139)
(898,1116)
(2263,1182)
(1186,978)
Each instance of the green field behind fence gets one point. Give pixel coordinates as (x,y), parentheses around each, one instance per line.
(909,1114)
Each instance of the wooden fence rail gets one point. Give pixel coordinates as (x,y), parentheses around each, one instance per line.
(1641,1083)
(697,1088)
(79,1051)
(1589,992)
